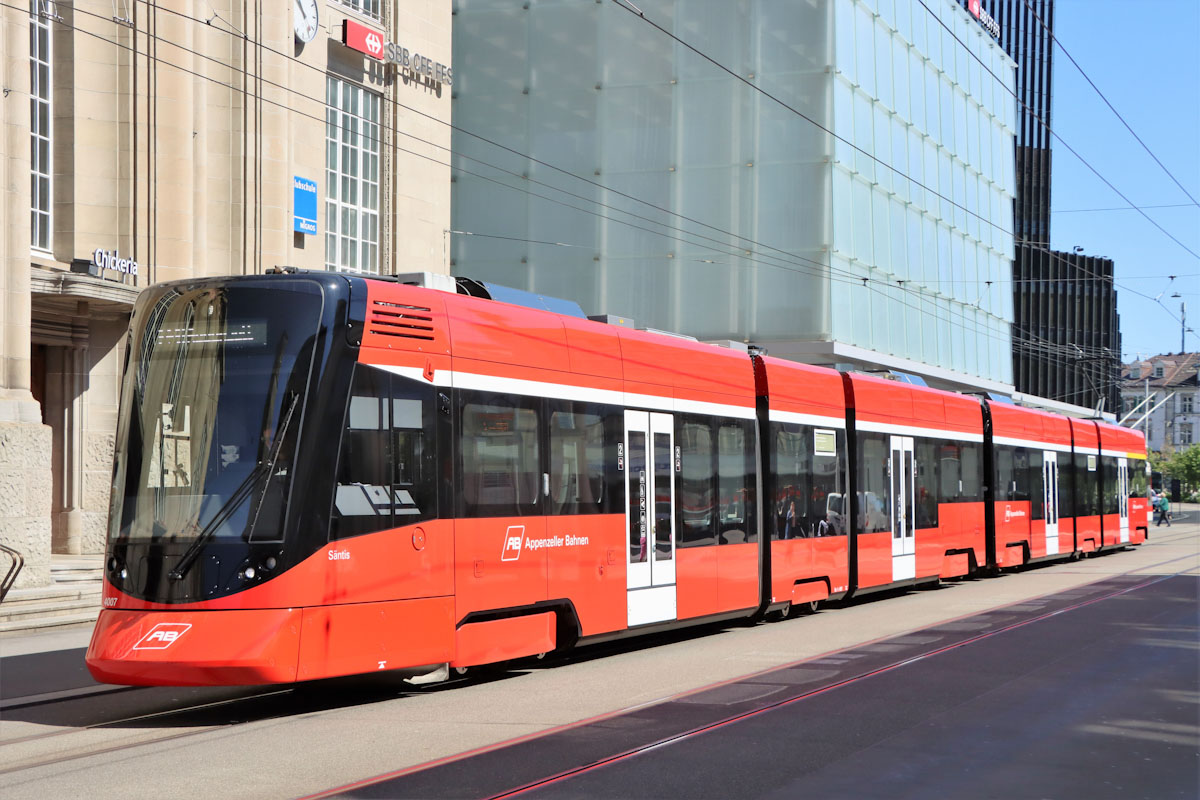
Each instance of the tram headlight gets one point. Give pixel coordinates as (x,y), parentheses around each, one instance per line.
(248,573)
(270,563)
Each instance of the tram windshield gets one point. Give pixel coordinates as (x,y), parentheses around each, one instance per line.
(211,404)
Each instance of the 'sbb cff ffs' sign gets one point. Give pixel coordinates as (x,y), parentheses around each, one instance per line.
(365,40)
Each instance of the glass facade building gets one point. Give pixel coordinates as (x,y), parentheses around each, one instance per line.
(831,180)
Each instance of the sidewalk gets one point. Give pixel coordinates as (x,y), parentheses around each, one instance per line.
(72,599)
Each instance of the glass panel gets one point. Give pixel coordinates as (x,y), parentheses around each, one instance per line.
(926,501)
(697,493)
(908,494)
(577,479)
(733,484)
(897,529)
(501,468)
(214,398)
(873,492)
(663,504)
(638,496)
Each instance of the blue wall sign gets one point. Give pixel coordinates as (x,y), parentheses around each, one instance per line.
(304,205)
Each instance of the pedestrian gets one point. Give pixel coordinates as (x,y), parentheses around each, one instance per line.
(1164,510)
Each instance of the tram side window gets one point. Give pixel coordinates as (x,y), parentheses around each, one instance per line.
(501,476)
(809,467)
(1004,473)
(1021,487)
(1137,478)
(927,483)
(1066,486)
(735,482)
(1087,485)
(577,460)
(791,464)
(874,493)
(971,459)
(1111,502)
(1037,484)
(960,472)
(386,470)
(697,523)
(825,515)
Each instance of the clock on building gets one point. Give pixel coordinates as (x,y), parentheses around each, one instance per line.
(304,19)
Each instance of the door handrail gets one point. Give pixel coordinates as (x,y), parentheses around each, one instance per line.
(18,561)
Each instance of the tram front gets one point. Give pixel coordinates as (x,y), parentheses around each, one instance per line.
(211,502)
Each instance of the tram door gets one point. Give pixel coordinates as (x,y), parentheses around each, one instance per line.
(1123,496)
(650,516)
(1050,499)
(901,470)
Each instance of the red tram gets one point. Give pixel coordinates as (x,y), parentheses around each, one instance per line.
(320,475)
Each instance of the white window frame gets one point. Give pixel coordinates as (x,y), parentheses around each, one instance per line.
(1184,433)
(353,145)
(41,129)
(368,8)
(1185,404)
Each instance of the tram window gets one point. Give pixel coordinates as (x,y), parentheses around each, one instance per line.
(791,464)
(1066,487)
(1004,473)
(386,471)
(577,479)
(809,469)
(697,491)
(828,483)
(1020,486)
(971,461)
(927,483)
(1111,495)
(735,482)
(874,493)
(500,459)
(1087,485)
(1137,478)
(1037,485)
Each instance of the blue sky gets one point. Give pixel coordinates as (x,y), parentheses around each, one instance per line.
(1144,55)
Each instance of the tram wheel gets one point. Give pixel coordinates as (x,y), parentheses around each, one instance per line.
(813,605)
(784,612)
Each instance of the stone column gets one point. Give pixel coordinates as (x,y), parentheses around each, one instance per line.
(66,381)
(25,477)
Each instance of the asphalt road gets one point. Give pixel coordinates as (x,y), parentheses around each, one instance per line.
(1039,683)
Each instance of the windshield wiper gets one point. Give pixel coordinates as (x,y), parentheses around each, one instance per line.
(244,490)
(272,457)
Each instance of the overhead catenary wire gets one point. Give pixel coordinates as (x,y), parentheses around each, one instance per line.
(822,265)
(872,283)
(1091,83)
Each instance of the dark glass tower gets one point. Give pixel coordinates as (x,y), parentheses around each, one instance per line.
(1066,338)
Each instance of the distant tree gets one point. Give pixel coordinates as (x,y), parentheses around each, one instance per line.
(1185,465)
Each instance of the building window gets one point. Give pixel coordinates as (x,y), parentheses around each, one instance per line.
(1185,404)
(39,128)
(368,7)
(1158,370)
(352,144)
(1185,433)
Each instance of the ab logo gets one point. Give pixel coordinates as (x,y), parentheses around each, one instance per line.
(162,636)
(512,543)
